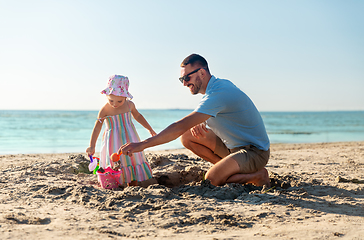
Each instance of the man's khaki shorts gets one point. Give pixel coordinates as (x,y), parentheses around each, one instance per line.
(249,158)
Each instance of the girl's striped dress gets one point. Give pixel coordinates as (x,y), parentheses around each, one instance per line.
(119,129)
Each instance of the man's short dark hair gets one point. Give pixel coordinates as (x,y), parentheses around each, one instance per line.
(195,60)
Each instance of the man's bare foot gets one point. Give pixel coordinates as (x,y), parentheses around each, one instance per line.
(261,178)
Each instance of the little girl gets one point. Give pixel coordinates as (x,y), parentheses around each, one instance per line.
(119,130)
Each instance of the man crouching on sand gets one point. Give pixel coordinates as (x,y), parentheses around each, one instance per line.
(236,141)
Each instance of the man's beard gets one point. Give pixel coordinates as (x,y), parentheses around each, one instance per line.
(197,86)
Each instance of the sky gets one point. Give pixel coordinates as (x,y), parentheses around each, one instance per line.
(285,55)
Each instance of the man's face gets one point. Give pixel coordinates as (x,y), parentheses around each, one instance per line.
(192,78)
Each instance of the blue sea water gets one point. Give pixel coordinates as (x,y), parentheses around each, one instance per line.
(70,131)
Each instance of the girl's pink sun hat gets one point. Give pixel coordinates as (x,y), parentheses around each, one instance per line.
(117,85)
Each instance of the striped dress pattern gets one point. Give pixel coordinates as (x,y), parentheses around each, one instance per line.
(119,129)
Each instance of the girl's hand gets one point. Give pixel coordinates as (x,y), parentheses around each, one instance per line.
(90,151)
(199,130)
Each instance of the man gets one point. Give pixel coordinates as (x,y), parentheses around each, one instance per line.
(236,143)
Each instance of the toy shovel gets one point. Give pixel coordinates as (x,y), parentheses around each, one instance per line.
(92,164)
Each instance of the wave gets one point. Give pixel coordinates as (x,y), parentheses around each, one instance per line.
(290,132)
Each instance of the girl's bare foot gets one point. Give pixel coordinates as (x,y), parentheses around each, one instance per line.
(133,183)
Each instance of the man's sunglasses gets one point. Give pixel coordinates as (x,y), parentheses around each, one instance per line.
(186,78)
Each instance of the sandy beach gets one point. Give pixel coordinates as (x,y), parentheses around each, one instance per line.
(317,193)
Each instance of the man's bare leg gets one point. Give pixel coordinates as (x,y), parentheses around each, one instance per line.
(227,171)
(223,170)
(203,146)
(258,178)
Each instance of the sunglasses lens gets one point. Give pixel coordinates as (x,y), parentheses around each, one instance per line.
(184,78)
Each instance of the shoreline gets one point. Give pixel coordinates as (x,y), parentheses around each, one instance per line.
(318,192)
(186,151)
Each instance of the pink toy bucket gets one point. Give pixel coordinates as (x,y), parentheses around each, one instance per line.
(109,179)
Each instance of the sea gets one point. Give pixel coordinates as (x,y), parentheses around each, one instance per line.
(46,131)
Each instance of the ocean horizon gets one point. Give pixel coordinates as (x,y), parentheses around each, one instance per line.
(69,131)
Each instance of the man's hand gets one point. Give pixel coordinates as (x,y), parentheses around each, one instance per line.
(199,130)
(130,148)
(152,133)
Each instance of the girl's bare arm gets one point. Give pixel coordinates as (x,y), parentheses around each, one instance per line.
(96,131)
(140,119)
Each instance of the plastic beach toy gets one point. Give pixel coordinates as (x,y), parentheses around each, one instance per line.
(93,164)
(115,157)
